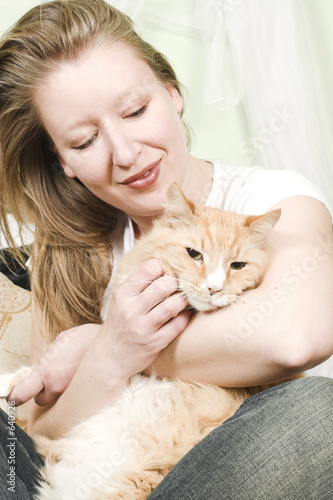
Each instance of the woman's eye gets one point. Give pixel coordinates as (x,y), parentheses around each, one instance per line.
(139,112)
(194,254)
(237,265)
(86,144)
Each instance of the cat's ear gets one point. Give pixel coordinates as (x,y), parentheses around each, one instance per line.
(262,225)
(178,211)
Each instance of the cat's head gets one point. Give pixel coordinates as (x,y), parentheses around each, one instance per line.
(215,254)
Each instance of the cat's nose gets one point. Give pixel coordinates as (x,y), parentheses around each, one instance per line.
(214,289)
(215,280)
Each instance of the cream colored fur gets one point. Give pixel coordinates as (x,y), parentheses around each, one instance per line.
(123,452)
(221,237)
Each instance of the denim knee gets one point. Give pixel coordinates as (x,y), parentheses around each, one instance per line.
(278,445)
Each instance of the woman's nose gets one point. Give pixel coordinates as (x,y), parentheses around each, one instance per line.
(125,148)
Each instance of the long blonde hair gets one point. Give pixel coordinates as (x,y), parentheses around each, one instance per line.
(71,253)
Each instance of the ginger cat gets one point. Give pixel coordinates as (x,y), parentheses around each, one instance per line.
(215,254)
(124,451)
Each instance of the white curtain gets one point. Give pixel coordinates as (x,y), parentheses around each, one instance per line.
(266,45)
(259,53)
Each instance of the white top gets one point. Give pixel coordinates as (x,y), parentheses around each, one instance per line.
(246,190)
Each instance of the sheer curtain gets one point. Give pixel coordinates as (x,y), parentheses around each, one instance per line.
(267,46)
(259,53)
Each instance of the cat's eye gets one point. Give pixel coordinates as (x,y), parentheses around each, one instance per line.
(194,254)
(237,265)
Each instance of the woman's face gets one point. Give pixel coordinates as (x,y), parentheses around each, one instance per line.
(116,128)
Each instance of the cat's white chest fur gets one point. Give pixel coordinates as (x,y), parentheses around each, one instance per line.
(124,451)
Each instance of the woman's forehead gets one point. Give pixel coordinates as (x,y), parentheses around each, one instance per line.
(115,67)
(112,76)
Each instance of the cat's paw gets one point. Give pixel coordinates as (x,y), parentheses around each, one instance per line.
(9,380)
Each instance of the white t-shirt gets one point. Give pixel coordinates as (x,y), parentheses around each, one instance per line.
(245,190)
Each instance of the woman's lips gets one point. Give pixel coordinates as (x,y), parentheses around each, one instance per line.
(146,178)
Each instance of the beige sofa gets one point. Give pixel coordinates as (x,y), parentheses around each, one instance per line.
(15,319)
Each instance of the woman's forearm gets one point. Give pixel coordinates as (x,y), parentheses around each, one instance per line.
(142,320)
(249,345)
(95,385)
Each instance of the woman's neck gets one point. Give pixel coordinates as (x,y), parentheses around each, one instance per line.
(198,180)
(196,187)
(144,228)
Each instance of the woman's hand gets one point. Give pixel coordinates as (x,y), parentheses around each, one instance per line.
(51,376)
(144,316)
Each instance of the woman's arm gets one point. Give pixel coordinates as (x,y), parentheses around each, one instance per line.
(144,316)
(279,329)
(53,365)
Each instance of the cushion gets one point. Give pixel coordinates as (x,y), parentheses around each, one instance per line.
(15,326)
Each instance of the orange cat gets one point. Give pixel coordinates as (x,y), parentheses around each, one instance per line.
(123,452)
(215,254)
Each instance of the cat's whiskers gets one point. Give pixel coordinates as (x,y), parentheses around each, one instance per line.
(173,297)
(241,307)
(131,281)
(246,302)
(234,307)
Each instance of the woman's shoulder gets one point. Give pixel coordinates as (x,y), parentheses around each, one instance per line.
(254,190)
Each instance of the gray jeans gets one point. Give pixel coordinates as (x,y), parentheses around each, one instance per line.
(19,462)
(278,445)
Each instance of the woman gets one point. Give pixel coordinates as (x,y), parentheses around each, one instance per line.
(91,138)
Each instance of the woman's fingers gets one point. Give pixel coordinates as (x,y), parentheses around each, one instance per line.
(149,282)
(145,315)
(147,312)
(50,377)
(170,330)
(164,310)
(27,388)
(142,277)
(146,289)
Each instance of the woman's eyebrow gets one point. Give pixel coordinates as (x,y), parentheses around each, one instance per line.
(126,98)
(132,95)
(65,132)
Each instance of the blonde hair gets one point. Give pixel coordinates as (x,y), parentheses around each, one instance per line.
(71,253)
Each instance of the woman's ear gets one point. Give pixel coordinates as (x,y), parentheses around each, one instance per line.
(66,168)
(175,97)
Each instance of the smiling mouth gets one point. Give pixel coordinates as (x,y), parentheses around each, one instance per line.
(145,175)
(145,178)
